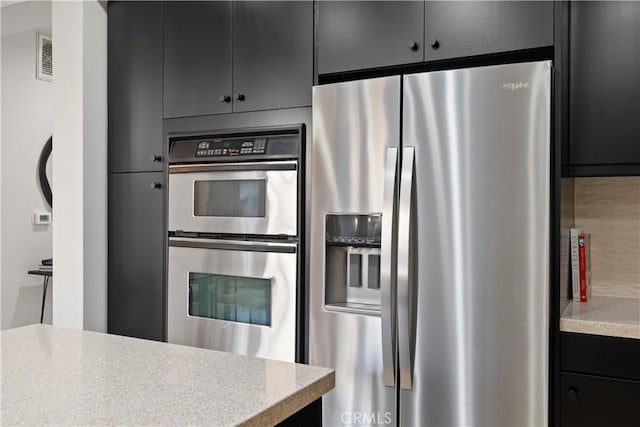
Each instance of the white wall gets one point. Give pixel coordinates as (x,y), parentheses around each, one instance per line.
(27,121)
(95,165)
(80,141)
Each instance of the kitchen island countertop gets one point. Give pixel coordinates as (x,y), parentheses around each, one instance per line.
(61,376)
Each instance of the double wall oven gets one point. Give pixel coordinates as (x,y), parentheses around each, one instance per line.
(234,241)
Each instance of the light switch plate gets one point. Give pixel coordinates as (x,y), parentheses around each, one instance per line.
(41,218)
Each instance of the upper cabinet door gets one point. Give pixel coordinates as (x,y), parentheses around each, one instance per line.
(604,83)
(355,35)
(272,55)
(197,58)
(466,28)
(135,86)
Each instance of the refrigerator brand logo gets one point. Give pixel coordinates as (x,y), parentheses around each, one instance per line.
(515,85)
(364,418)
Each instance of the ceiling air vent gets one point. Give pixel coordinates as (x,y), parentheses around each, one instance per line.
(44,58)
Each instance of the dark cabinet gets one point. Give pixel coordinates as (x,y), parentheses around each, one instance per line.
(588,400)
(355,35)
(272,55)
(136,237)
(604,85)
(135,86)
(222,57)
(599,380)
(197,58)
(467,28)
(600,355)
(136,255)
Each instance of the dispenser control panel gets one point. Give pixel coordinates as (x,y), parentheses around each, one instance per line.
(354,229)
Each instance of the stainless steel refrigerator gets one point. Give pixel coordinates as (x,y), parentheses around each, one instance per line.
(429,258)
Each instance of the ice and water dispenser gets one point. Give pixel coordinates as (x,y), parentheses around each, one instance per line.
(352,269)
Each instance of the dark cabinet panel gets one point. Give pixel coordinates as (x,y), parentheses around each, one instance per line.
(597,401)
(197,58)
(136,265)
(600,355)
(466,28)
(135,86)
(272,55)
(355,35)
(604,83)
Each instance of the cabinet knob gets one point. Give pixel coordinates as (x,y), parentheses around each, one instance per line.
(225,98)
(434,43)
(239,97)
(412,45)
(155,185)
(155,158)
(572,394)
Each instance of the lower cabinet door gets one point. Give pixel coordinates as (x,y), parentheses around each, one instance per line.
(598,401)
(136,264)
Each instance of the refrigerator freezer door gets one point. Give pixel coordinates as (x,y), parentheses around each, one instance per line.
(482,164)
(354,124)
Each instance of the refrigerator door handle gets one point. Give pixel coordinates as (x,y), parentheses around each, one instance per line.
(387,294)
(406,323)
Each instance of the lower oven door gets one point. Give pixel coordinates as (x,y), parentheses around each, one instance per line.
(232,296)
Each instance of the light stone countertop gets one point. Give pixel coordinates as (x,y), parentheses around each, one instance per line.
(68,377)
(609,316)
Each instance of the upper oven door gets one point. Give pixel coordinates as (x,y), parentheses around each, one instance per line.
(234,198)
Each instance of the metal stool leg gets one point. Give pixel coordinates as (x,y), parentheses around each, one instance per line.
(44,296)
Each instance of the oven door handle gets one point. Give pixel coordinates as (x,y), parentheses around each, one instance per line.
(234,245)
(224,167)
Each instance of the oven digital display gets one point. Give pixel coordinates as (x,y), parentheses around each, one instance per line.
(234,147)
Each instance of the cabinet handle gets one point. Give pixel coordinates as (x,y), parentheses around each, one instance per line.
(239,97)
(412,45)
(155,185)
(572,394)
(434,43)
(225,98)
(155,158)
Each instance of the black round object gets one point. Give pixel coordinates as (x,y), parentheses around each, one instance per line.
(239,97)
(572,394)
(42,171)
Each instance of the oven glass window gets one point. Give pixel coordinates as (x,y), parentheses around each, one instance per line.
(234,298)
(233,198)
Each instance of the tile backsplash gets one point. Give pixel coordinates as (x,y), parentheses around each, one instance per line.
(609,209)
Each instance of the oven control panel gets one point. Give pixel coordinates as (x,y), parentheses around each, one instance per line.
(230,147)
(244,145)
